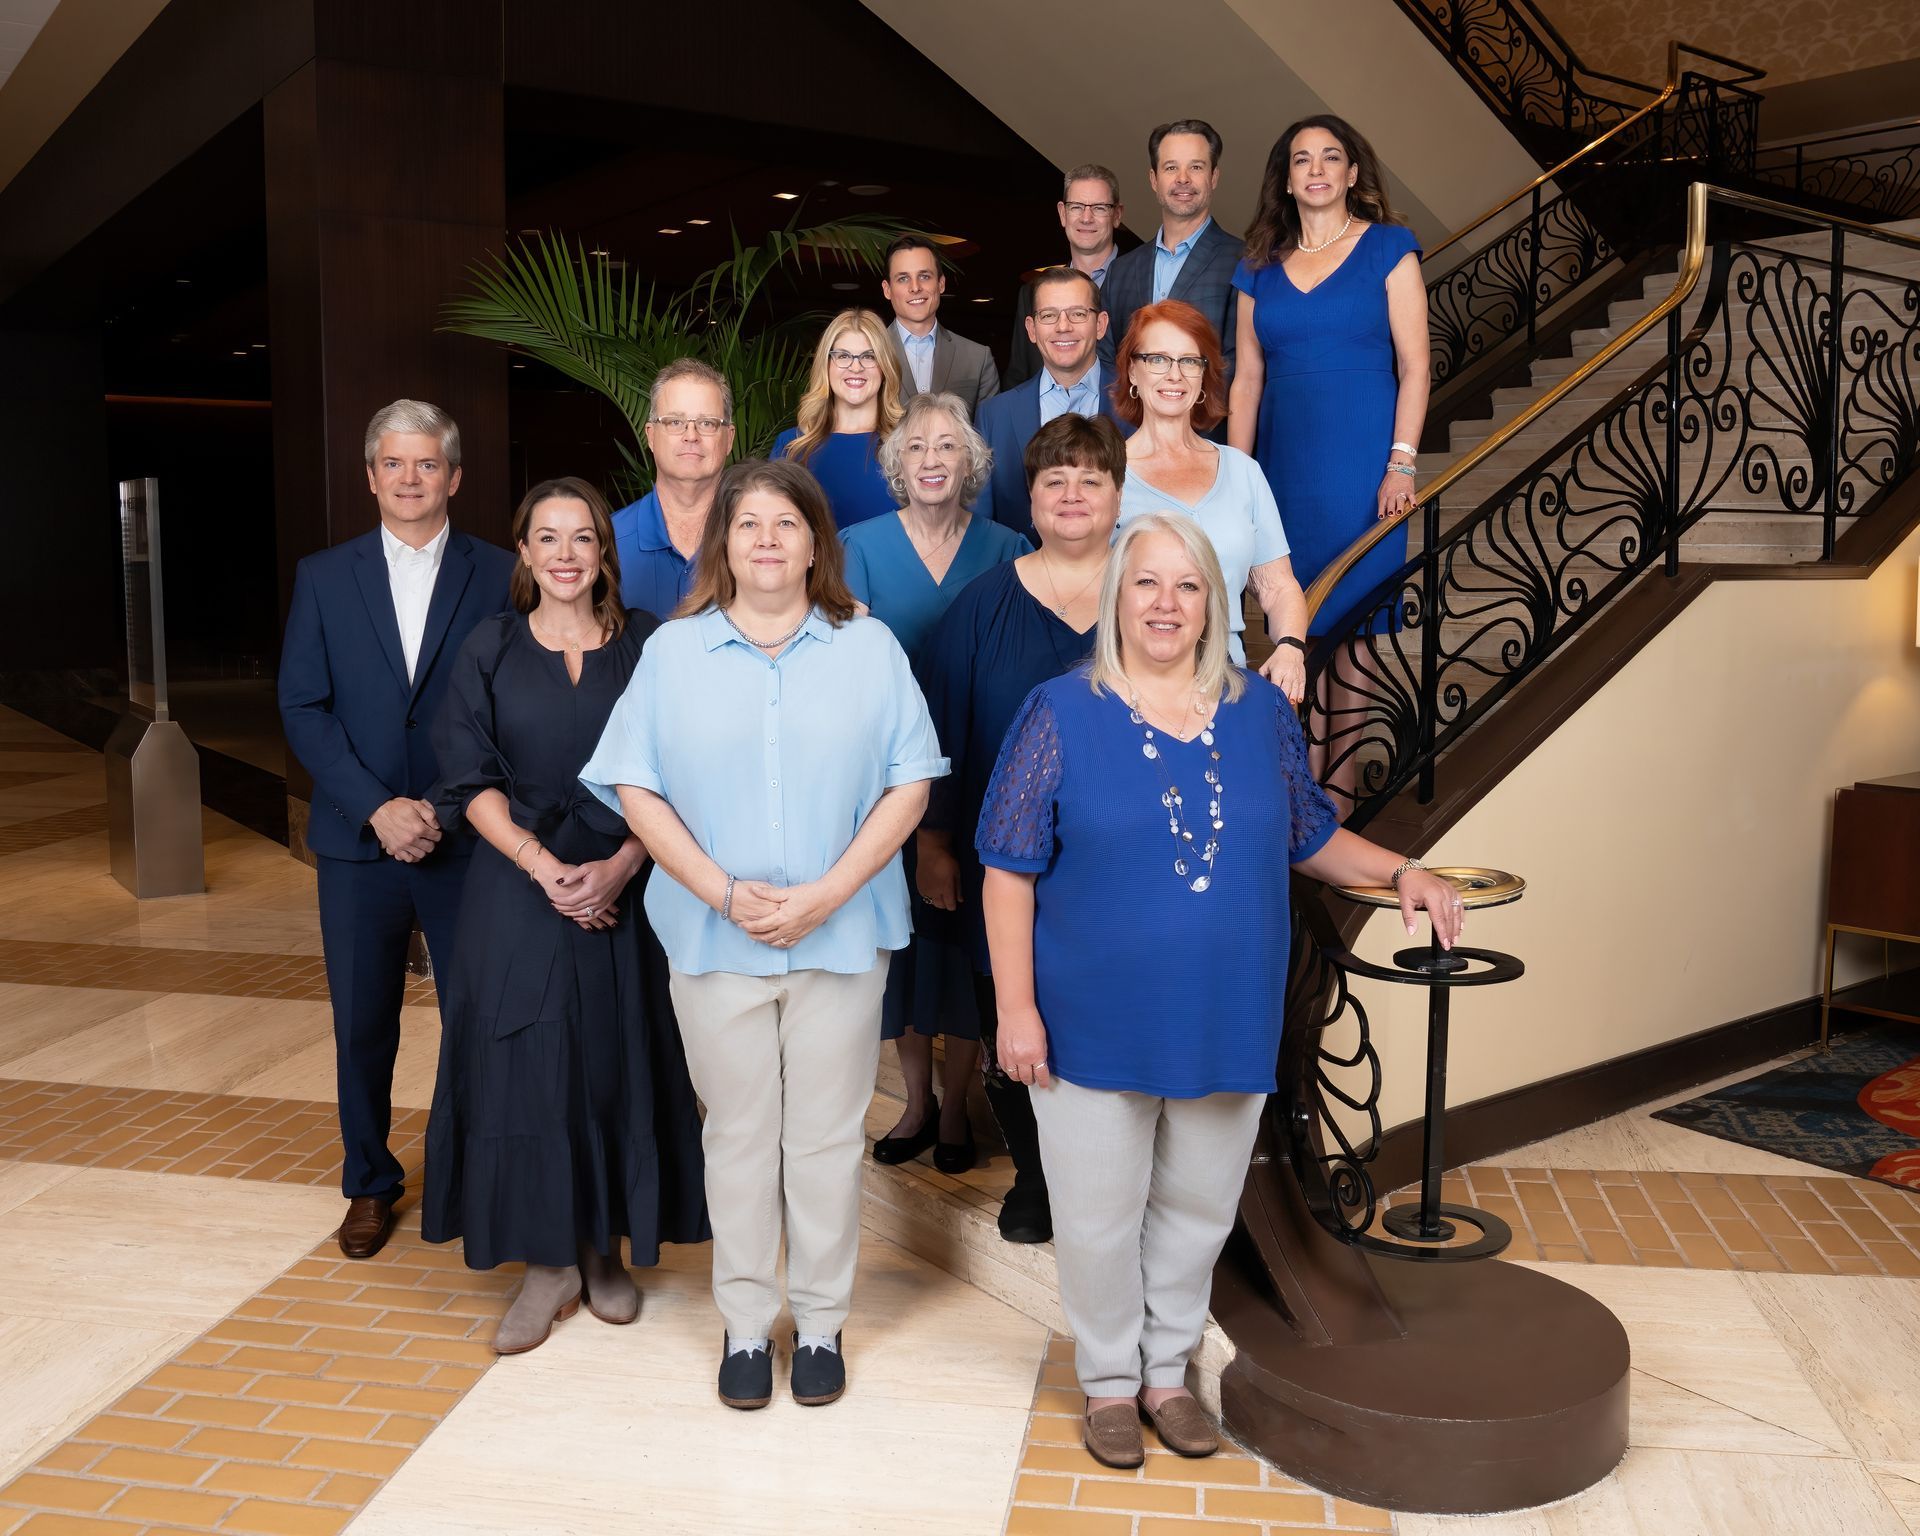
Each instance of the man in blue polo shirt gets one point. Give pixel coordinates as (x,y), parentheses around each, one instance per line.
(690,434)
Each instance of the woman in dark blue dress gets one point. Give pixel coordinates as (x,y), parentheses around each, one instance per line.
(562,1117)
(852,402)
(1008,632)
(1331,389)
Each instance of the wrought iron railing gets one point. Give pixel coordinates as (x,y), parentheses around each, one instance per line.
(1795,392)
(1874,169)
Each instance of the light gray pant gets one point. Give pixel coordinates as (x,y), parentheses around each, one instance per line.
(785,1066)
(1144,1192)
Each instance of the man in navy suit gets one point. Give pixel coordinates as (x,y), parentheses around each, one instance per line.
(1190,257)
(371,636)
(1066,326)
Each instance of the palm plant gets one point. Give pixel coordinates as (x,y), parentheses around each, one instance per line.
(552,300)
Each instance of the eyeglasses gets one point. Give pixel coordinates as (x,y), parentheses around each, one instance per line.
(1157,363)
(847,361)
(676,426)
(1078,315)
(1081,210)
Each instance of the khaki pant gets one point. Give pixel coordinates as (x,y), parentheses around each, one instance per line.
(785,1066)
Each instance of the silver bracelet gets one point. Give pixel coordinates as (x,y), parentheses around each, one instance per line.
(1407,448)
(1399,469)
(1405,865)
(726,902)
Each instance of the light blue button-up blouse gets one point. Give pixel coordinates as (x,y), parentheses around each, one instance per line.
(773,767)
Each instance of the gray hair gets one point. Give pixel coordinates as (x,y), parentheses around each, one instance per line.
(702,373)
(1213,668)
(1090,172)
(415,416)
(979,455)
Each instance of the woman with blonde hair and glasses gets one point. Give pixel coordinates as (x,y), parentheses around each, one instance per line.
(563,1119)
(853,401)
(1138,834)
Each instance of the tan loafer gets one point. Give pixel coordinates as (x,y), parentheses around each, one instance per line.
(1182,1426)
(1112,1436)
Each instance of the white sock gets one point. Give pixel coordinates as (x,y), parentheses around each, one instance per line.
(744,1346)
(817,1341)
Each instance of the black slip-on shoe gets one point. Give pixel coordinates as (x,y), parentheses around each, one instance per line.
(1026,1216)
(819,1375)
(746,1376)
(904,1149)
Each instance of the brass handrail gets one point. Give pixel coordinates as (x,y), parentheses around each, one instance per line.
(1692,262)
(1674,49)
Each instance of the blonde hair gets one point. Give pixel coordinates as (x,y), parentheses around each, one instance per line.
(815,414)
(972,444)
(1213,668)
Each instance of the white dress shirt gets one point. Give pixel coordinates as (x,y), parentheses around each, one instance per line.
(410,576)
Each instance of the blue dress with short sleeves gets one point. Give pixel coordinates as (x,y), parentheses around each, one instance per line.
(847,465)
(1326,409)
(1144,985)
(885,572)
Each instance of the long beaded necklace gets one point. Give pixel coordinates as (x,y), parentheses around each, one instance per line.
(1174,803)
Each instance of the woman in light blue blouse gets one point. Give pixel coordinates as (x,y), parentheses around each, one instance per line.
(1171,385)
(777,751)
(907,569)
(1137,836)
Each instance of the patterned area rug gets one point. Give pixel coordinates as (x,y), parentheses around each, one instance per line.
(1856,1110)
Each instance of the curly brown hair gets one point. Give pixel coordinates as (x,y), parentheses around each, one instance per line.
(1210,408)
(1275,229)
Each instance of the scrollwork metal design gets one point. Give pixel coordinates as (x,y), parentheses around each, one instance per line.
(1881,179)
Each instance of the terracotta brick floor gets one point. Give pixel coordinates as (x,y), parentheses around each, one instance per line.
(40,831)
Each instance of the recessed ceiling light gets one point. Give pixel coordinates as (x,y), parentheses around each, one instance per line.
(183,282)
(786,197)
(868,189)
(240,354)
(829,183)
(983,301)
(846,287)
(669,231)
(598,250)
(519,365)
(259,346)
(701,222)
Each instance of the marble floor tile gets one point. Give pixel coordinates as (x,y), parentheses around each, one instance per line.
(1709,1371)
(1900,1482)
(35,1017)
(20,1182)
(309,1072)
(185,1041)
(1699,1493)
(58,1371)
(1857,1343)
(154,1250)
(600,1423)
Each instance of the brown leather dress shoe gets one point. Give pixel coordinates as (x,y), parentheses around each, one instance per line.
(1182,1426)
(1112,1436)
(368,1225)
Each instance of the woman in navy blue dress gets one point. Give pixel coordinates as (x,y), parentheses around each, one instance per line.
(1009,631)
(851,403)
(563,1119)
(1137,837)
(1331,392)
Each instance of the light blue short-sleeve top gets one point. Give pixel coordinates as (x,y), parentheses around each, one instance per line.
(773,765)
(1239,516)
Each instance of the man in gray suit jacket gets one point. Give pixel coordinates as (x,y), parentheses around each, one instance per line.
(1190,257)
(930,356)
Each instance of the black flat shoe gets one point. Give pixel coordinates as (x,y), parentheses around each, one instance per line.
(746,1376)
(819,1375)
(904,1149)
(1026,1216)
(956,1156)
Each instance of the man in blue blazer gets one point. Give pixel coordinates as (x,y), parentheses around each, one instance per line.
(372,633)
(1066,326)
(1190,257)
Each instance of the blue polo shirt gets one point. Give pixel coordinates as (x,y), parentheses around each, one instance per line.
(653,574)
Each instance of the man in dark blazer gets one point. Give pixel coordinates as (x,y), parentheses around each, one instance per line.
(1190,257)
(930,356)
(1090,212)
(1066,327)
(371,637)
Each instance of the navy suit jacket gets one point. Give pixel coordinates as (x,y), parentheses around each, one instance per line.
(1008,422)
(1205,282)
(351,717)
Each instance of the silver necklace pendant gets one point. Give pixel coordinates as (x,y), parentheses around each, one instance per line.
(1173,803)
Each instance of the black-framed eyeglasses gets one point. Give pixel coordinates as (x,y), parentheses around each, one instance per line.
(1157,363)
(1080,314)
(676,426)
(846,361)
(1081,210)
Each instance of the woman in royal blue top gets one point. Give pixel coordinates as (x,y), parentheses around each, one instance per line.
(1010,630)
(773,753)
(851,403)
(1137,836)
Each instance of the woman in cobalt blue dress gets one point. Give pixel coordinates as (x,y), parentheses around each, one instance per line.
(1331,389)
(852,402)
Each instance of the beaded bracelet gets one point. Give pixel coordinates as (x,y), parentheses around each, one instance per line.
(1399,469)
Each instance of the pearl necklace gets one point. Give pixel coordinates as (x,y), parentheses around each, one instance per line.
(1315,250)
(1174,803)
(766,645)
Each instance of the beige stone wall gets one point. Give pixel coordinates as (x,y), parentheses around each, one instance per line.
(1674,835)
(1790,39)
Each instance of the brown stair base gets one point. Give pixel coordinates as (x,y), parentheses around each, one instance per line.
(1502,1389)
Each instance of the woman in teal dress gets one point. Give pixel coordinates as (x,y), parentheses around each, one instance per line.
(1331,389)
(907,568)
(851,403)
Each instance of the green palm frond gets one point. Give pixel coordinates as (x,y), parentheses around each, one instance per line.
(552,301)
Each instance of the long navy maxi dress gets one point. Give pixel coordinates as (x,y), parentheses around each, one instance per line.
(562,1113)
